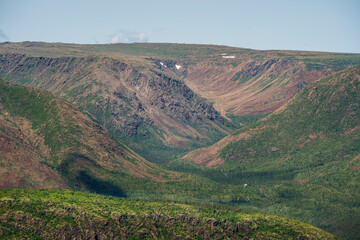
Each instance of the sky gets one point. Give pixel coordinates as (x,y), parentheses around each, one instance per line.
(315,25)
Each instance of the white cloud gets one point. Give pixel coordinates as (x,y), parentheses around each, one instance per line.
(3,35)
(115,39)
(128,36)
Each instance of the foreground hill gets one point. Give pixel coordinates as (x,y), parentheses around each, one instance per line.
(45,142)
(165,99)
(65,215)
(304,156)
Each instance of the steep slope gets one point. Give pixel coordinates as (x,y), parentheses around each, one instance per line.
(135,101)
(305,155)
(48,143)
(65,214)
(150,95)
(246,86)
(238,81)
(327,110)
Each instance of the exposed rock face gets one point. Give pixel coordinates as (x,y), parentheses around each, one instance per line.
(46,142)
(129,98)
(251,87)
(152,98)
(329,104)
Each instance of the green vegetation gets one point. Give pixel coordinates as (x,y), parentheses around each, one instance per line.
(112,97)
(85,156)
(42,109)
(188,52)
(317,190)
(240,78)
(154,150)
(322,62)
(155,50)
(40,214)
(304,158)
(93,93)
(302,161)
(76,150)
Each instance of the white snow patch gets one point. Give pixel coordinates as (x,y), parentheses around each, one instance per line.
(163,64)
(177,66)
(228,56)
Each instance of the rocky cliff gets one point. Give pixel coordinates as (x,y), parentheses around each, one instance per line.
(48,143)
(134,100)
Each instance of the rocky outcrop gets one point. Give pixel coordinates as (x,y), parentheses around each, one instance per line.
(45,142)
(130,101)
(251,86)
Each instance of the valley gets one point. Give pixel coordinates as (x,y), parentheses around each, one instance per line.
(305,153)
(136,92)
(179,127)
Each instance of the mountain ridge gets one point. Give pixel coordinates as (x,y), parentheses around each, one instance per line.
(134,101)
(170,97)
(46,142)
(301,162)
(303,156)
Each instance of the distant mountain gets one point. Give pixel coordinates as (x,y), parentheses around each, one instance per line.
(166,99)
(305,155)
(73,215)
(48,143)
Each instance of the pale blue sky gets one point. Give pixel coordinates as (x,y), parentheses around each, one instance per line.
(323,25)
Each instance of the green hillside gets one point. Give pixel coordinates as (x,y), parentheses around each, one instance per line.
(64,214)
(303,158)
(163,100)
(48,143)
(188,52)
(301,161)
(146,108)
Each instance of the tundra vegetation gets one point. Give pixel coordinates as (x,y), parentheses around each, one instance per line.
(265,132)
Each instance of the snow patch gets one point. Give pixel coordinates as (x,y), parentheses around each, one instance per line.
(228,56)
(163,64)
(177,66)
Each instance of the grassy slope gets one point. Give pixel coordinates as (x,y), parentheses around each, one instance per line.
(63,141)
(190,53)
(73,81)
(304,158)
(47,143)
(76,158)
(51,214)
(303,67)
(322,194)
(179,51)
(157,50)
